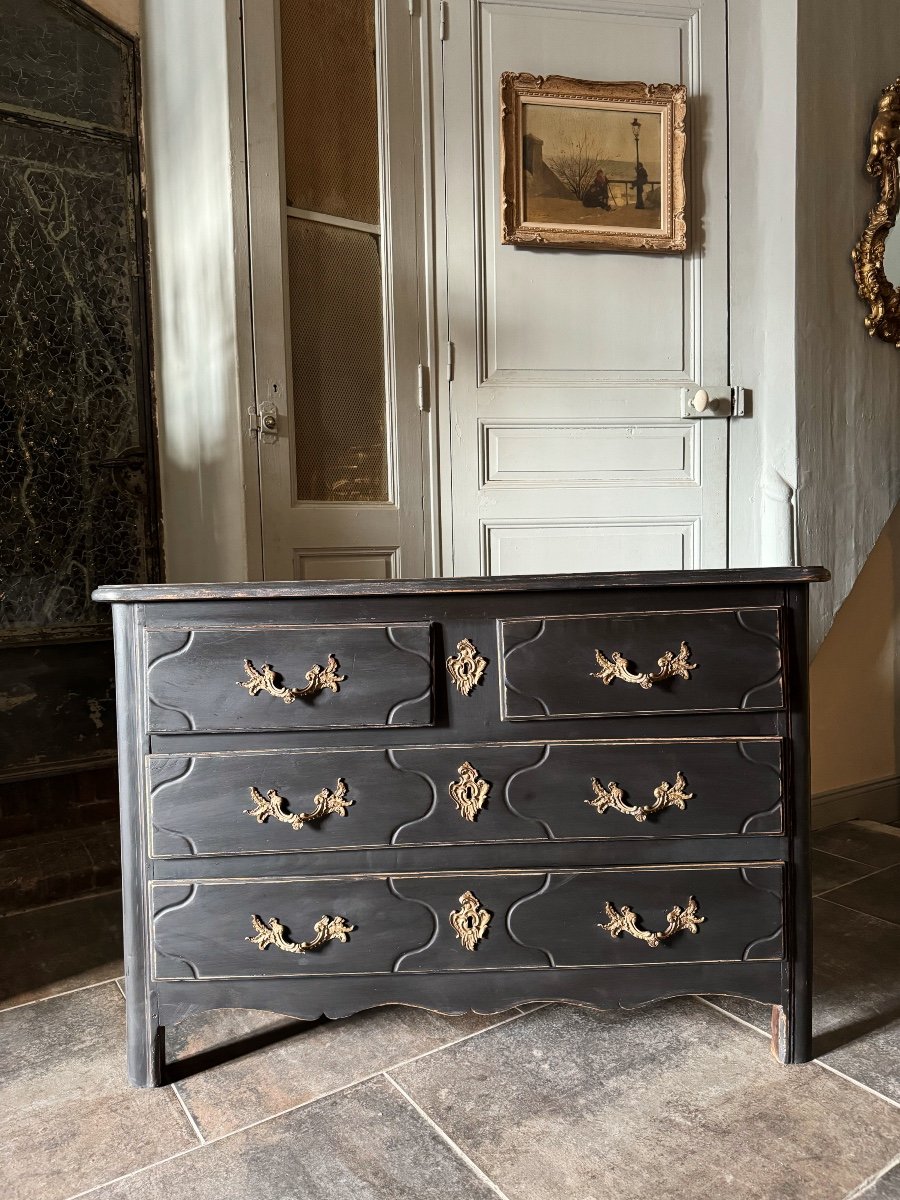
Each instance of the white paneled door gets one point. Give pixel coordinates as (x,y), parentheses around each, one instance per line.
(563,443)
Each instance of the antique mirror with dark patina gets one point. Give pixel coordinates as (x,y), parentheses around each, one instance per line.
(876,256)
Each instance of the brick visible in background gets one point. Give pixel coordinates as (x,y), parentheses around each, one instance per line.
(58,802)
(59,838)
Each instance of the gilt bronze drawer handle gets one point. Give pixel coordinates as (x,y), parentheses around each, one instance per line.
(669,665)
(626,922)
(665,796)
(317,680)
(324,802)
(326,929)
(470,920)
(467,667)
(469,792)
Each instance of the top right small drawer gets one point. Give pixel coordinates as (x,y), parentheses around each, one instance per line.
(618,664)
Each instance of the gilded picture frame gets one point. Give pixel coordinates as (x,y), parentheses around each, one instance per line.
(876,289)
(591,165)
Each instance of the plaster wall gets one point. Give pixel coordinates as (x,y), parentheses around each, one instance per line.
(848,385)
(855,679)
(762,46)
(197,218)
(124,13)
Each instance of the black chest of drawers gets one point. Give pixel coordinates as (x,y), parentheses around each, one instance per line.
(463,794)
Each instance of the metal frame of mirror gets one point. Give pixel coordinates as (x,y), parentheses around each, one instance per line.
(872,282)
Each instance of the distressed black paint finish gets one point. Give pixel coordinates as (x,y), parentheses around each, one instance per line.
(551,668)
(541,858)
(202,804)
(197,677)
(537,920)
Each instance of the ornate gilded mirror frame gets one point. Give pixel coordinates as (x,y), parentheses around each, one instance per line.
(873,285)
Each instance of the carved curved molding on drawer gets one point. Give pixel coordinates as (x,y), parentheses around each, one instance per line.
(770,945)
(171,775)
(773,685)
(566,917)
(550,663)
(771,819)
(200,928)
(393,717)
(382,676)
(439,768)
(174,905)
(180,644)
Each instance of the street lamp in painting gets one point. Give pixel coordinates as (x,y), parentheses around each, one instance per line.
(636,130)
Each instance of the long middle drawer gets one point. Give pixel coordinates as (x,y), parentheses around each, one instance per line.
(277,802)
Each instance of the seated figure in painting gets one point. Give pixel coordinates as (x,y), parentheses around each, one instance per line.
(597,193)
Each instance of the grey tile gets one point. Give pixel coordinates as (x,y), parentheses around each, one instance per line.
(856,997)
(60,947)
(668,1101)
(885,1188)
(878,895)
(366,1143)
(68,1119)
(294,1062)
(866,842)
(829,871)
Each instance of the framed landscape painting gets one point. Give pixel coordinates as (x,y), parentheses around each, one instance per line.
(592,165)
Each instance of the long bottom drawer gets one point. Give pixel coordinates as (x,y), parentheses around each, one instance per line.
(374,925)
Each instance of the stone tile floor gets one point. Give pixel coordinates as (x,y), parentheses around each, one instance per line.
(678,1099)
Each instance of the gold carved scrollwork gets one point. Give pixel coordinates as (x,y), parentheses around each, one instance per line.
(470,920)
(467,667)
(665,796)
(880,293)
(326,929)
(324,803)
(670,665)
(679,920)
(469,792)
(318,679)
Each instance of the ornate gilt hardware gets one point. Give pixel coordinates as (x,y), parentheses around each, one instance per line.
(665,796)
(881,294)
(467,667)
(324,802)
(678,919)
(469,792)
(470,920)
(326,929)
(317,680)
(669,665)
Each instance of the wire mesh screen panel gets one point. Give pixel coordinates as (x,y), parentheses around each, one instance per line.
(330,107)
(337,346)
(58,62)
(76,504)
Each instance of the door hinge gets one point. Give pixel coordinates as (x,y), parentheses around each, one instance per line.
(443,20)
(713,400)
(411,5)
(451,355)
(421,388)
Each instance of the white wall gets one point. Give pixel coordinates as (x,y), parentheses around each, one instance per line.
(848,385)
(124,13)
(762,45)
(855,713)
(193,115)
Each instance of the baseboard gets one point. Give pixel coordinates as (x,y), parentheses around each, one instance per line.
(877,801)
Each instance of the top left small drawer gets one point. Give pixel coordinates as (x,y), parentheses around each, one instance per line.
(246,679)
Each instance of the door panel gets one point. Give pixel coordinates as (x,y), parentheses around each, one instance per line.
(333,179)
(565,446)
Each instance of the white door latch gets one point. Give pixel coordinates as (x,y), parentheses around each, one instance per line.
(712,401)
